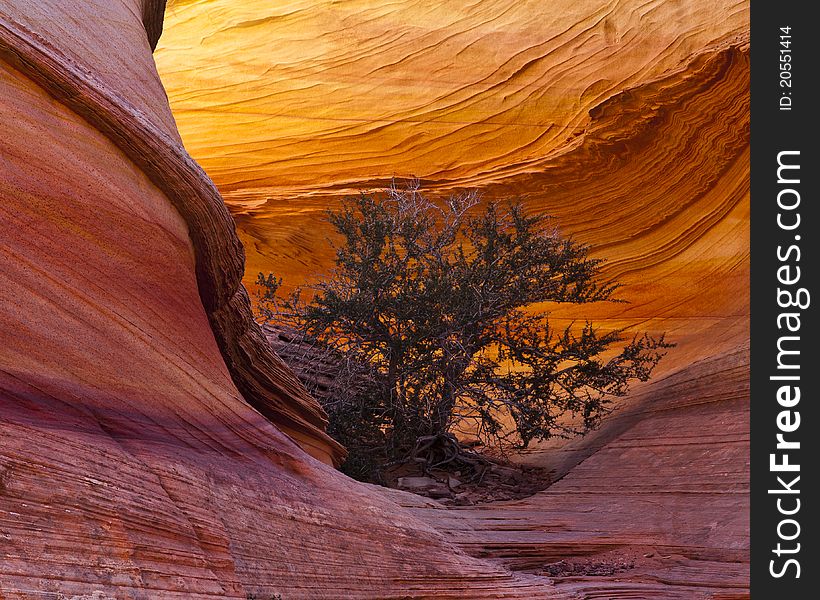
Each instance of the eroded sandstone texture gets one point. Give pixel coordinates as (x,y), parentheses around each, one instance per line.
(146,429)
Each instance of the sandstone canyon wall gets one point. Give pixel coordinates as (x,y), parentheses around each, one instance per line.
(131,463)
(151,444)
(125,102)
(627,121)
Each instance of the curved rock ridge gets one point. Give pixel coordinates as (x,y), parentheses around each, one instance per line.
(130,464)
(142,452)
(628,122)
(659,187)
(255,369)
(54,24)
(658,508)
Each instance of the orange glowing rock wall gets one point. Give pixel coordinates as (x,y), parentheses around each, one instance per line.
(142,416)
(627,121)
(131,466)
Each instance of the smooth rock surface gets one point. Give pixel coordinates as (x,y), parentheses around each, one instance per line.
(132,467)
(628,122)
(146,431)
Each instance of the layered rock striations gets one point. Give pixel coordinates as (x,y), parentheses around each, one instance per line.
(628,122)
(655,505)
(133,464)
(489,97)
(151,142)
(151,443)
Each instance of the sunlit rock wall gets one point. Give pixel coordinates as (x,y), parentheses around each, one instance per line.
(146,432)
(143,420)
(627,121)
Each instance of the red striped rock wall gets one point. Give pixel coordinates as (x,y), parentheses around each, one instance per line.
(132,465)
(146,432)
(629,122)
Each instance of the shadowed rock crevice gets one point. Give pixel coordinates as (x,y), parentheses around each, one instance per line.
(153,14)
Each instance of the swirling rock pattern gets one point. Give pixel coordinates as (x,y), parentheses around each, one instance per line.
(269,386)
(290,108)
(143,418)
(627,121)
(132,465)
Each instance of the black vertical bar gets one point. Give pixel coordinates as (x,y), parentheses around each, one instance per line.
(784,263)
